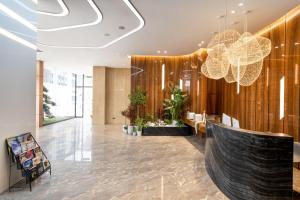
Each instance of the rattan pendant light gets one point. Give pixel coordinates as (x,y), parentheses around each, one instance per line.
(229,78)
(235,57)
(217,63)
(251,73)
(227,37)
(204,71)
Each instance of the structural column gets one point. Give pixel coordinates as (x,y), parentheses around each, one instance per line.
(39,93)
(98,117)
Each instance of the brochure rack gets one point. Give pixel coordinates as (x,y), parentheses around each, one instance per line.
(27,155)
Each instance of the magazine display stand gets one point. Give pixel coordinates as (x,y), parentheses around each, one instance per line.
(27,155)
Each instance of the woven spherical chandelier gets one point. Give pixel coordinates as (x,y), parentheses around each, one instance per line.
(229,78)
(227,37)
(204,71)
(265,45)
(217,63)
(238,72)
(251,74)
(245,50)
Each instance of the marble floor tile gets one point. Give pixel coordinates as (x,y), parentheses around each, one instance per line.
(101,163)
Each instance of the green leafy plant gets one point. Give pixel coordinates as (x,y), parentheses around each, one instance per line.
(140,123)
(138,98)
(47,102)
(175,107)
(150,117)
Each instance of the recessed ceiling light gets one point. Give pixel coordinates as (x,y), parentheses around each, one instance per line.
(106,34)
(276,47)
(165,51)
(158,51)
(233,12)
(235,23)
(247,11)
(129,56)
(241,4)
(296,43)
(282,45)
(220,16)
(199,45)
(202,42)
(121,27)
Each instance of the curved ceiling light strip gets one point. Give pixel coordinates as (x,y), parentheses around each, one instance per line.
(97,21)
(65,11)
(17,17)
(17,39)
(93,6)
(134,11)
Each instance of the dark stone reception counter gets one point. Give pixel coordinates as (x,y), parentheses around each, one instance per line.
(249,165)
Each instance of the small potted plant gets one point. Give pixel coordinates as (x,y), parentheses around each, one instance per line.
(125,125)
(140,123)
(128,113)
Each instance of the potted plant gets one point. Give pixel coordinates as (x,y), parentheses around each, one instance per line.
(138,99)
(174,108)
(128,113)
(140,123)
(125,114)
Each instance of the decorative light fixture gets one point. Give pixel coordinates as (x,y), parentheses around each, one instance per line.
(229,78)
(217,63)
(235,57)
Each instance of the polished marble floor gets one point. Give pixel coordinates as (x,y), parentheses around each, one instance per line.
(102,163)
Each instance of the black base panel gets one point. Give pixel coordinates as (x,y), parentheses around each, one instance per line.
(167,131)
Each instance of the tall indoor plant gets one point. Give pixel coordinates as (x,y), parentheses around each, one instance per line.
(138,98)
(175,106)
(47,102)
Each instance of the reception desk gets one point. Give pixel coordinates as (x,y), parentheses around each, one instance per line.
(248,164)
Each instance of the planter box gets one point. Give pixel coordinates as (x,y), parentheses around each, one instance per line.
(167,131)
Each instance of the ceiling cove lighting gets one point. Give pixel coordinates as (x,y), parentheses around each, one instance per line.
(17,39)
(65,11)
(17,17)
(281,112)
(97,21)
(163,77)
(139,27)
(90,2)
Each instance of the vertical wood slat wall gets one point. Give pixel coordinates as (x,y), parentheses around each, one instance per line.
(150,80)
(257,107)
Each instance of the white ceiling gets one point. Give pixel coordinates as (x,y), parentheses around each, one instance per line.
(177,26)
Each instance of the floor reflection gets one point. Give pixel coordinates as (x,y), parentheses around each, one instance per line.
(100,162)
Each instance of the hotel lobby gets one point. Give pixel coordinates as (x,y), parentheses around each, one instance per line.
(137,99)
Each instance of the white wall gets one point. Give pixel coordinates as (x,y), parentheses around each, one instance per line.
(17,87)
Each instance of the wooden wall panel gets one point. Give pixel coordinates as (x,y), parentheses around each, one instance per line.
(117,88)
(292,62)
(257,107)
(150,80)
